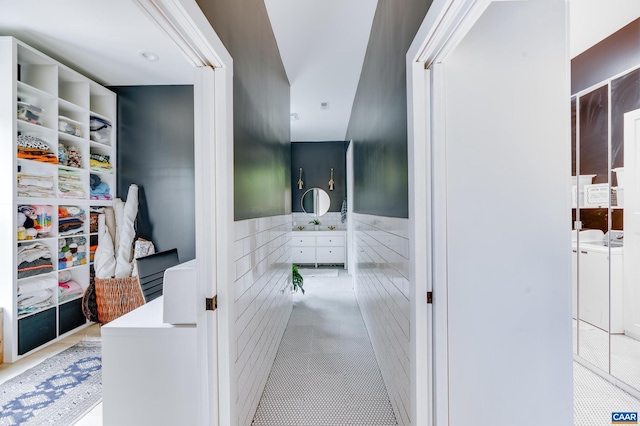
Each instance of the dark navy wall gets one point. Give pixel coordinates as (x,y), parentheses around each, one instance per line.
(613,55)
(155,151)
(378,124)
(316,160)
(260,107)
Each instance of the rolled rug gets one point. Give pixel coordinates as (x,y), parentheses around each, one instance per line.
(104,261)
(127,233)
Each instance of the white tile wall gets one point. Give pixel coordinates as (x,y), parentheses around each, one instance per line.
(326,220)
(382,288)
(262,304)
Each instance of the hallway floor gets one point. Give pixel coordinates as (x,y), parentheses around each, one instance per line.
(325,371)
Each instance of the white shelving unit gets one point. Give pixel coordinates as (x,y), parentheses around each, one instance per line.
(28,76)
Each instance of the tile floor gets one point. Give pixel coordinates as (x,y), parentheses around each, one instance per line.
(325,371)
(319,379)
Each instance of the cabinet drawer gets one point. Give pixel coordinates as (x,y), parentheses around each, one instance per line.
(336,241)
(330,254)
(36,330)
(70,316)
(303,241)
(303,255)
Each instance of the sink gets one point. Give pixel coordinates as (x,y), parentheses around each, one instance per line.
(588,235)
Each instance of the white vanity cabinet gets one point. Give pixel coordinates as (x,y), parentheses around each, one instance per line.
(319,247)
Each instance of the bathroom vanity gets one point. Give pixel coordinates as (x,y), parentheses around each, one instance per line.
(319,247)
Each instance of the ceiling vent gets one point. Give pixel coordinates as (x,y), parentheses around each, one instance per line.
(324,105)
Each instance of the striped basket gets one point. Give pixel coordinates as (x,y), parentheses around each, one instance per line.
(117,296)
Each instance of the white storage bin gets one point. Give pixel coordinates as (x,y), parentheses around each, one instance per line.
(100,130)
(30,113)
(69,126)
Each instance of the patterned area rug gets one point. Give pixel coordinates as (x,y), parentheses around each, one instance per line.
(58,391)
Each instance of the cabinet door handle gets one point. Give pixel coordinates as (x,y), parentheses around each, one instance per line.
(584,252)
(575,251)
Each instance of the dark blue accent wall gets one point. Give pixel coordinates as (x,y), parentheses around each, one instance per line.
(155,151)
(316,160)
(260,107)
(378,124)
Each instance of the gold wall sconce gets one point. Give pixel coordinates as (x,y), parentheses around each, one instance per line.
(300,182)
(331,181)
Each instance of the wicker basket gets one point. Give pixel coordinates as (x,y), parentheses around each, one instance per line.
(117,296)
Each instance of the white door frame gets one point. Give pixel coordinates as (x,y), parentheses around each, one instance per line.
(187,26)
(444,26)
(351,256)
(632,222)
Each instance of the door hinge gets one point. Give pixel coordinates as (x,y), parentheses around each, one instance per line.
(429,297)
(211,303)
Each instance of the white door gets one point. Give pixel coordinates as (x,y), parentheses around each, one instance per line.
(500,124)
(186,25)
(631,289)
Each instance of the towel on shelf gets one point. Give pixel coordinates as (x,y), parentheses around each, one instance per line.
(343,211)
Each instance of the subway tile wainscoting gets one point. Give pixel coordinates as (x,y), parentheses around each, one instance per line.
(262,304)
(381,249)
(326,220)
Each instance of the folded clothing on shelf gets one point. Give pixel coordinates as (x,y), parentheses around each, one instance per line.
(70,220)
(34,259)
(100,163)
(34,221)
(72,251)
(34,301)
(67,287)
(35,293)
(70,184)
(99,190)
(33,148)
(32,185)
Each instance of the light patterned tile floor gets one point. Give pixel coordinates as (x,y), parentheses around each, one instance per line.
(295,396)
(595,398)
(325,372)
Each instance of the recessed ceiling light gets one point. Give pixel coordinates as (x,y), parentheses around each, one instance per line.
(324,105)
(149,56)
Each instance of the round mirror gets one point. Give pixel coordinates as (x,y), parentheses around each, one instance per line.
(315,201)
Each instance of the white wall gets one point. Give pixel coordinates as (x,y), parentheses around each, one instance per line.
(262,304)
(508,219)
(382,289)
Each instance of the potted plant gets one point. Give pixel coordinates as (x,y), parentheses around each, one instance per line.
(296,279)
(315,223)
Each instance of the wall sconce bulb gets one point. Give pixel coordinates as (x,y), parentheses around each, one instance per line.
(300,182)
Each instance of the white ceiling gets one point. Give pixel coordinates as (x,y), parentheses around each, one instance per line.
(101,39)
(322,45)
(593,20)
